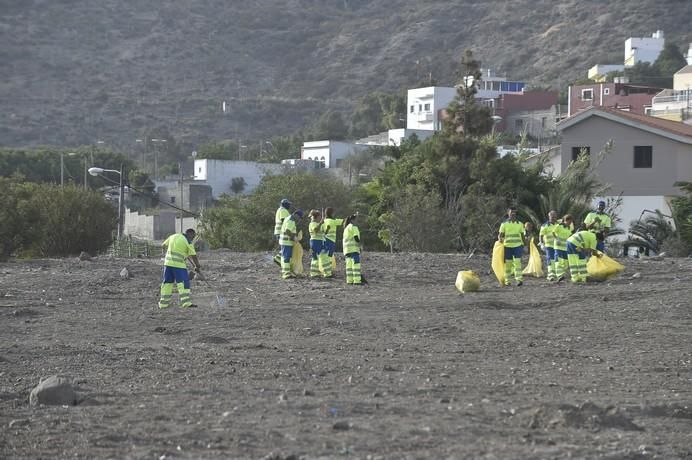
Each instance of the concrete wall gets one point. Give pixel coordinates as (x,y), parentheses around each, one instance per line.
(149,227)
(155,227)
(672,161)
(219,174)
(195,196)
(537,123)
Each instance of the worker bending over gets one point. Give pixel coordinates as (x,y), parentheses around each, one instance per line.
(178,248)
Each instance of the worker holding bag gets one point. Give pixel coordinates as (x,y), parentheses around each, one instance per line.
(579,246)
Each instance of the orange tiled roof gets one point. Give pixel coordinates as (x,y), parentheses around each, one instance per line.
(675,127)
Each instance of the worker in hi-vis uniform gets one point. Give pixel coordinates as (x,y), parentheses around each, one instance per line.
(512,236)
(579,246)
(178,248)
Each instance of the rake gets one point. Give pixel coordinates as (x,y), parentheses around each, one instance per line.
(220,301)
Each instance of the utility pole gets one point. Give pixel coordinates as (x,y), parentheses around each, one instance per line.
(182,202)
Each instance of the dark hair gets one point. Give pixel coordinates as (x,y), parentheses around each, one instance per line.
(329,212)
(190,231)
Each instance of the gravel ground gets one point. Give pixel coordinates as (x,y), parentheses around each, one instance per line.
(405,367)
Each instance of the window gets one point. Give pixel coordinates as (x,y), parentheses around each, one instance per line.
(606,91)
(172,200)
(643,156)
(427,107)
(323,162)
(200,170)
(518,124)
(587,94)
(576,151)
(420,107)
(413,107)
(544,121)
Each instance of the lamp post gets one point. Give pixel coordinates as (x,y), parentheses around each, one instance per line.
(97,172)
(156,159)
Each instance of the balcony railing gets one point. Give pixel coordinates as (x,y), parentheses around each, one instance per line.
(674,96)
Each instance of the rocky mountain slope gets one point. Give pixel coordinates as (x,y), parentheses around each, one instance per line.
(77,71)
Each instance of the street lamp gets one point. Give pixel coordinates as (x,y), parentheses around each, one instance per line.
(156,159)
(97,172)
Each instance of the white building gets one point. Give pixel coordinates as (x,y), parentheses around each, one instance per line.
(644,49)
(599,72)
(329,153)
(219,174)
(425,106)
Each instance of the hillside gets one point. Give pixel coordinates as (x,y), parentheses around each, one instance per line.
(77,71)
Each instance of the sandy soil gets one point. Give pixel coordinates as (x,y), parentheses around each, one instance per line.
(403,368)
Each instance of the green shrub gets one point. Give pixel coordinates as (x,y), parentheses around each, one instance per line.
(43,220)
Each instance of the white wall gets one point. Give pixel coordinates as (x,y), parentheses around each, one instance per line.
(643,49)
(396,136)
(632,207)
(330,152)
(436,97)
(219,173)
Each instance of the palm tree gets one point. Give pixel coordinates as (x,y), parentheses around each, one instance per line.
(572,192)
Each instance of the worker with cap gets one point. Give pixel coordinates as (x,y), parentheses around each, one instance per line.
(289,235)
(330,225)
(579,245)
(512,236)
(351,243)
(599,222)
(282,213)
(178,248)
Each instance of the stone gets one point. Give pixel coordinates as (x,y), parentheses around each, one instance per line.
(124,273)
(55,391)
(84,256)
(341,426)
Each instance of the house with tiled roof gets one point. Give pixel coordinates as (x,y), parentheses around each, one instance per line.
(648,156)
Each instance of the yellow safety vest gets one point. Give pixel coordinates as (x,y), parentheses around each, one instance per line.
(546,232)
(330,228)
(561,233)
(604,221)
(281,215)
(349,241)
(178,250)
(316,231)
(289,225)
(583,240)
(513,232)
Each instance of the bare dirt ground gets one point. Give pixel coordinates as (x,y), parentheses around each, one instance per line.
(403,368)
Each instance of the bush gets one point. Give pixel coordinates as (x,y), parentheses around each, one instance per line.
(40,220)
(247,223)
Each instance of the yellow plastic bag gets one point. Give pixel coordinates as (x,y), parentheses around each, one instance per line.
(467,281)
(498,262)
(603,268)
(535,265)
(297,259)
